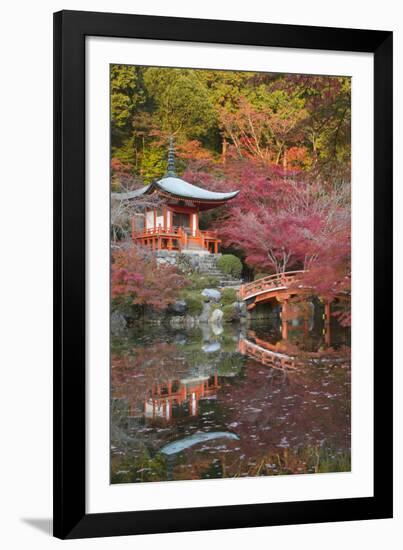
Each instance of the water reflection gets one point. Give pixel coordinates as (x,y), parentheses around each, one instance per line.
(265,353)
(284,403)
(178,398)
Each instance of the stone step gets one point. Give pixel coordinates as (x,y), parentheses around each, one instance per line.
(213,272)
(220,276)
(207,265)
(205,261)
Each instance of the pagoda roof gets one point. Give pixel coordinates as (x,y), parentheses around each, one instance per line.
(171,186)
(178,188)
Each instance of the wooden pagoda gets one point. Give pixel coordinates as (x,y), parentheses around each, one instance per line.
(174,224)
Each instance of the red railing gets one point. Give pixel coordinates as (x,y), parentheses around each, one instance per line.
(266,356)
(176,238)
(272,282)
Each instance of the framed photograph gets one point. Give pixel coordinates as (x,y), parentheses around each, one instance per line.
(223,274)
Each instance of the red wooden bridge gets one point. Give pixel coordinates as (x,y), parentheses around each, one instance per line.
(279,285)
(282,286)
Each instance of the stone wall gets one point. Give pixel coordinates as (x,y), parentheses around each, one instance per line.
(199,262)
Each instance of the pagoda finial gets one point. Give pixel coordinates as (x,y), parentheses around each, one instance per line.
(171,158)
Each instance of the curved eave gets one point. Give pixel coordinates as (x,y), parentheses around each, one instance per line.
(211,202)
(224,197)
(178,189)
(181,189)
(131,194)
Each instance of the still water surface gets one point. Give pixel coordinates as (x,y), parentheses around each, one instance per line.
(232,402)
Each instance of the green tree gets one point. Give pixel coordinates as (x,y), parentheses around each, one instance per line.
(153,163)
(182,104)
(126,96)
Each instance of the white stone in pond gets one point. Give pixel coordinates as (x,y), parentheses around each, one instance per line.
(216,317)
(216,329)
(211,347)
(212,294)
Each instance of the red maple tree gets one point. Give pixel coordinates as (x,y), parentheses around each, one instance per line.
(139,279)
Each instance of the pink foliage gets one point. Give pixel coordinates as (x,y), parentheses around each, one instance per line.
(137,277)
(283,221)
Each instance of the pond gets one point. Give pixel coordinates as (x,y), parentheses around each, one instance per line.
(231,401)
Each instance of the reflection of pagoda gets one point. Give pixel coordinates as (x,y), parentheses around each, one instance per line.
(162,398)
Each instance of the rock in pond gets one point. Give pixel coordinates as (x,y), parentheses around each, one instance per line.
(211,347)
(179,307)
(216,317)
(216,329)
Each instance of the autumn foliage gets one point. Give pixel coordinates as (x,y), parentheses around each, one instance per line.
(282,140)
(285,220)
(138,279)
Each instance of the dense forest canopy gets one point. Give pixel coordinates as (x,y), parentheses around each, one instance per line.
(283,140)
(299,122)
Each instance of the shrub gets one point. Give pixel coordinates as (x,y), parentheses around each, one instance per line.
(211,282)
(230,265)
(199,282)
(229,296)
(230,313)
(194,302)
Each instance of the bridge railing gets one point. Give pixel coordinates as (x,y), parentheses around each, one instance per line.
(271,281)
(266,356)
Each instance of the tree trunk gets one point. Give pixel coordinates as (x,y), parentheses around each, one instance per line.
(285,159)
(224,150)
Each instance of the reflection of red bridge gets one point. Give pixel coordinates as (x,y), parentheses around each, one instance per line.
(274,286)
(162,397)
(270,355)
(266,353)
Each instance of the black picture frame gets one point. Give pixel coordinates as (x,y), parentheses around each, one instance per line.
(70,517)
